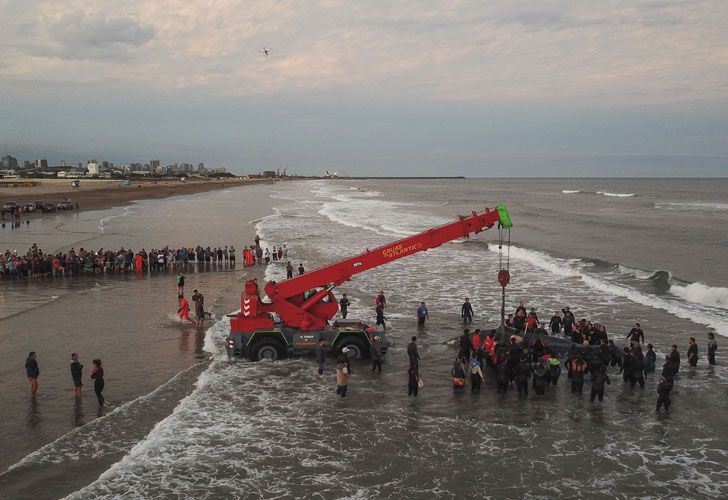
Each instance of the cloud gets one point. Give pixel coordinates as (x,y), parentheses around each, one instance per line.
(96,36)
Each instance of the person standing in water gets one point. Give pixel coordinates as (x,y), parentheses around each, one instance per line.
(413,381)
(184,309)
(466,311)
(76,374)
(199,301)
(663,390)
(180,283)
(422,314)
(97,374)
(321,356)
(343,373)
(412,353)
(692,352)
(380,316)
(344,306)
(32,371)
(712,348)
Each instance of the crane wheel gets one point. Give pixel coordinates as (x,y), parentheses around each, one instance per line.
(357,348)
(268,349)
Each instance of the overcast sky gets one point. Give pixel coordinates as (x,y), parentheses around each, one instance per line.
(500,88)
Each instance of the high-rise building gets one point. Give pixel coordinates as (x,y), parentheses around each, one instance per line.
(9,163)
(41,164)
(93,168)
(154,164)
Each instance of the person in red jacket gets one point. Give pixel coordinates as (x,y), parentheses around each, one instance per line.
(184,309)
(476,340)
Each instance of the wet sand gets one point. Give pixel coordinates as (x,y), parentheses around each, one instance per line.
(99,194)
(129,320)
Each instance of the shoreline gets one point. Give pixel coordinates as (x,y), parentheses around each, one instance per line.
(113,195)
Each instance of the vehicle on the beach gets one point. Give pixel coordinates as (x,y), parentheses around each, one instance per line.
(9,207)
(300,308)
(29,207)
(49,207)
(38,206)
(65,205)
(282,341)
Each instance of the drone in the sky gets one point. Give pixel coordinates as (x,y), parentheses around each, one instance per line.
(264,51)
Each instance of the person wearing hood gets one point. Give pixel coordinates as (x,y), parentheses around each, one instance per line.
(554,369)
(476,376)
(465,343)
(343,372)
(626,367)
(598,383)
(669,369)
(637,367)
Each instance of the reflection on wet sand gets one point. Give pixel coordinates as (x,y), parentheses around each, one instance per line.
(33,418)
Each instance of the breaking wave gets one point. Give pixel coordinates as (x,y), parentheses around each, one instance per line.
(617,195)
(570,191)
(694,207)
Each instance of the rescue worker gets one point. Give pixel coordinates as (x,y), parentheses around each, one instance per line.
(380,317)
(538,349)
(465,343)
(675,357)
(489,346)
(289,270)
(422,314)
(568,321)
(414,356)
(578,368)
(413,381)
(380,299)
(466,311)
(626,367)
(636,335)
(555,323)
(476,341)
(616,358)
(321,356)
(199,301)
(663,393)
(650,360)
(554,369)
(501,376)
(184,308)
(692,352)
(344,305)
(669,369)
(376,354)
(597,389)
(343,373)
(301,270)
(523,373)
(476,376)
(138,262)
(712,348)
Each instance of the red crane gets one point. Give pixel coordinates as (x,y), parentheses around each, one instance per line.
(306,302)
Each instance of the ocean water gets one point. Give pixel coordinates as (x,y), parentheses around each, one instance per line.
(615,251)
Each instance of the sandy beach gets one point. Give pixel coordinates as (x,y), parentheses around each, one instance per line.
(99,194)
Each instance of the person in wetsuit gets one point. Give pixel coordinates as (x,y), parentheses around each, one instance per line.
(650,360)
(321,356)
(376,355)
(97,374)
(578,368)
(568,321)
(712,348)
(692,352)
(636,336)
(637,367)
(76,374)
(476,376)
(598,382)
(523,373)
(675,357)
(539,380)
(465,343)
(664,388)
(412,354)
(555,323)
(344,306)
(381,320)
(466,311)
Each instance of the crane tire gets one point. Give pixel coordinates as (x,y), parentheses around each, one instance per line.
(267,348)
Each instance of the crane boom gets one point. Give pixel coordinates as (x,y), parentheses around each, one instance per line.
(289,299)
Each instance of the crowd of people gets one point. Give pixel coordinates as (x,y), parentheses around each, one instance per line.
(36,263)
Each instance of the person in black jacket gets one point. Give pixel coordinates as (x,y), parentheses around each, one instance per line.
(675,357)
(663,390)
(414,356)
(465,343)
(637,370)
(555,323)
(97,374)
(76,374)
(598,382)
(467,311)
(32,371)
(568,321)
(344,306)
(523,373)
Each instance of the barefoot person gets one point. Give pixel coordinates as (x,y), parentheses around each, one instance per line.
(184,309)
(32,371)
(76,375)
(97,374)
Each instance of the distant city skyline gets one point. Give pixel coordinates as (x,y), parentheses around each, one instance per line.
(501,89)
